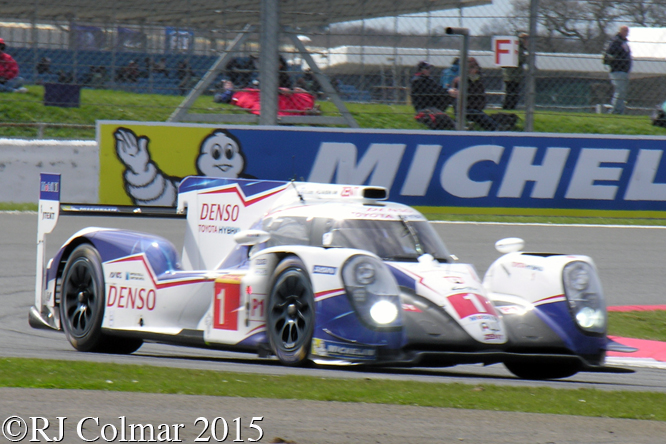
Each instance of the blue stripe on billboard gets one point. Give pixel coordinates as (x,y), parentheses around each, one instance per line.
(472,171)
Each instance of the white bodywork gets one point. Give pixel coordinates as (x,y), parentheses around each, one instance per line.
(221,289)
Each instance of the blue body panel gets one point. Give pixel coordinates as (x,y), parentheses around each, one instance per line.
(558,317)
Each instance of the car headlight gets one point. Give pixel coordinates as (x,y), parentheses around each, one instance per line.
(585,297)
(384,312)
(365,273)
(372,290)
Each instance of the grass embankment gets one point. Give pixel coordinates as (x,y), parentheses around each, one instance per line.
(51,374)
(638,324)
(122,105)
(15,372)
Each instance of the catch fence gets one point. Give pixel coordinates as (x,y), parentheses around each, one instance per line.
(366,50)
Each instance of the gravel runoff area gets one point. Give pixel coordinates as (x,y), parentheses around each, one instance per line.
(93,414)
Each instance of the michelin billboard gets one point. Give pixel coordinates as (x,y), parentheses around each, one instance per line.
(502,173)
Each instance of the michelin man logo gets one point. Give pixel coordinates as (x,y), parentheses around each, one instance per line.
(220,155)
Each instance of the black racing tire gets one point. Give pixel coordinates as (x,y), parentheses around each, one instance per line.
(290,316)
(82,305)
(538,370)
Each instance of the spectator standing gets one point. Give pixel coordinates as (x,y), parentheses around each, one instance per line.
(43,69)
(44,66)
(620,65)
(309,82)
(284,80)
(9,70)
(426,93)
(160,67)
(513,75)
(132,72)
(241,71)
(185,74)
(476,97)
(99,77)
(450,74)
(129,73)
(149,65)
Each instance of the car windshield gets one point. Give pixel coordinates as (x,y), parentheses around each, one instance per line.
(399,240)
(390,240)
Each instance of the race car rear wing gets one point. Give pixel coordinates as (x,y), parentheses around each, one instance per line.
(50,209)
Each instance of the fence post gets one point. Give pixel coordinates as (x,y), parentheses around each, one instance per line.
(461,103)
(268,61)
(530,99)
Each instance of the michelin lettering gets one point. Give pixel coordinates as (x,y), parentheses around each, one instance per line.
(490,174)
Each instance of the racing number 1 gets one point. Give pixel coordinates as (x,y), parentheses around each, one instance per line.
(468,304)
(225,304)
(474,299)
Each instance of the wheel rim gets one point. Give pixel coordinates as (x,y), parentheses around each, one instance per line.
(80,297)
(291,311)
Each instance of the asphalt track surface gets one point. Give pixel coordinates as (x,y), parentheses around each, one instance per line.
(630,262)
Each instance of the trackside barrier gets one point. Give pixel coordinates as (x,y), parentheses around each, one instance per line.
(487,172)
(479,173)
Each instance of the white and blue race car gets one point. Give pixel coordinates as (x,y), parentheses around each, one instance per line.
(314,272)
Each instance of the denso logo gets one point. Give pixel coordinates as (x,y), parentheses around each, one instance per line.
(131,298)
(222,212)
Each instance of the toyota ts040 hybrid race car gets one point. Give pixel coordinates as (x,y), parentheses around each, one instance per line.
(314,272)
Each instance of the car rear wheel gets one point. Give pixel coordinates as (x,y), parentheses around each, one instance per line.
(544,370)
(82,305)
(291,312)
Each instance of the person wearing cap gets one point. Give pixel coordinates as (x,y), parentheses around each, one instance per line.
(9,70)
(476,96)
(426,93)
(513,75)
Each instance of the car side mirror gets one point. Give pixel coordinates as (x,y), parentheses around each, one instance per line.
(251,237)
(509,245)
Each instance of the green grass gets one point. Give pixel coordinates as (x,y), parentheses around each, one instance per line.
(34,373)
(13,206)
(638,324)
(121,105)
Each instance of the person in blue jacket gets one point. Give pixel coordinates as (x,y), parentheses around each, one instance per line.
(450,73)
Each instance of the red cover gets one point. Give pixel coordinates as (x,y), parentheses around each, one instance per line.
(296,103)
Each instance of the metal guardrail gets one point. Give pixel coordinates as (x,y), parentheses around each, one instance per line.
(41,126)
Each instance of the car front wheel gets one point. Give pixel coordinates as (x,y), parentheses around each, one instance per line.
(544,370)
(291,312)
